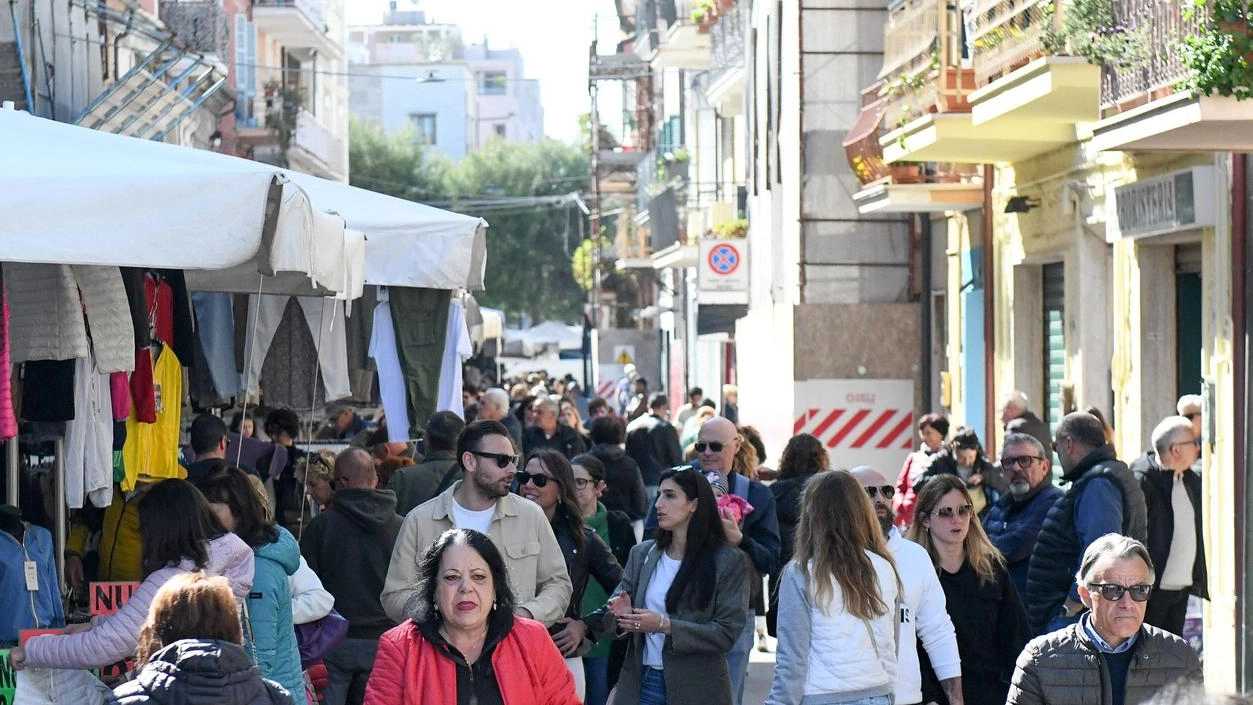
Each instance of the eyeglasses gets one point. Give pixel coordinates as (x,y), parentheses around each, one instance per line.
(503,460)
(1195,442)
(540,481)
(885,491)
(714,446)
(581,483)
(962,511)
(1113,591)
(1022,462)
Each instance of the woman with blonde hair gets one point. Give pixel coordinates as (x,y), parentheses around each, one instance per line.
(191,650)
(837,602)
(987,614)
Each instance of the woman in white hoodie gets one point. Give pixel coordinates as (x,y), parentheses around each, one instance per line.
(837,603)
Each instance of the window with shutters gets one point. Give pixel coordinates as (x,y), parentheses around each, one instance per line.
(1054,319)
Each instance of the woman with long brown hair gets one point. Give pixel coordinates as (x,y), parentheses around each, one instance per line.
(837,602)
(191,650)
(987,614)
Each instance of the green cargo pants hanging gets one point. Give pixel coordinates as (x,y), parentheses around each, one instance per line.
(420,317)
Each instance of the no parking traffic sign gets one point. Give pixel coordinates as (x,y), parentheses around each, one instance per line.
(723,272)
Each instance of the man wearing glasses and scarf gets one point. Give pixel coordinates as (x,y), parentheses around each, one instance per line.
(1110,655)
(482,501)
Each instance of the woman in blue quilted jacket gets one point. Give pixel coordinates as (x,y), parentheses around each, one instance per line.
(272,641)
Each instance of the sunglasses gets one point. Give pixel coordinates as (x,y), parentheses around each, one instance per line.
(503,460)
(1113,591)
(540,481)
(963,511)
(714,446)
(1022,462)
(885,491)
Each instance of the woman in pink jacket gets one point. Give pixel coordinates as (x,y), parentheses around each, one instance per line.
(181,534)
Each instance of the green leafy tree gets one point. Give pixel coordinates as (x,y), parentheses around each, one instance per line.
(529,245)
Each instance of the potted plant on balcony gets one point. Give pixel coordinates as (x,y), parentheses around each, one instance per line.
(1219,56)
(1090,29)
(732,228)
(704,13)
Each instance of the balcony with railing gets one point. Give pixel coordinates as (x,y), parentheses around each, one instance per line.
(903,187)
(673,33)
(924,82)
(1152,96)
(1030,94)
(296,23)
(724,81)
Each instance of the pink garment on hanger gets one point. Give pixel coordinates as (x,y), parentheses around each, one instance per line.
(120,395)
(8,422)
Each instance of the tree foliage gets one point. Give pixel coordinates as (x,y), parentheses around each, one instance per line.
(529,245)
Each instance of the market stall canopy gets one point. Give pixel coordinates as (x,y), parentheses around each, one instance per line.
(406,243)
(73,195)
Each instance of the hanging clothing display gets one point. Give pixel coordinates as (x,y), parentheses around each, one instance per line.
(289,375)
(120,395)
(457,349)
(8,421)
(391,378)
(358,332)
(47,321)
(325,321)
(151,449)
(420,317)
(143,404)
(133,281)
(169,311)
(215,326)
(46,318)
(41,607)
(47,390)
(89,439)
(109,323)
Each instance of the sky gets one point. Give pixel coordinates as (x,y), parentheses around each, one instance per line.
(553,36)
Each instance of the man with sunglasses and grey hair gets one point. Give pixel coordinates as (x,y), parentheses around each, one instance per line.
(1014,522)
(1110,655)
(481,501)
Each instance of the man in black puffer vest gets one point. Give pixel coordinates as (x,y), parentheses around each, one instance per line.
(1104,497)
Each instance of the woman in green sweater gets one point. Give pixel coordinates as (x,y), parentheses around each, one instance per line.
(603,662)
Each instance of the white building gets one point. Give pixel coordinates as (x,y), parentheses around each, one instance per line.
(407,72)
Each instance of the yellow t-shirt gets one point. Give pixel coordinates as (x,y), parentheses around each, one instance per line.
(151,449)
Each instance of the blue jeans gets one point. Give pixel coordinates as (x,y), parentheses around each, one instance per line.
(737,658)
(876,700)
(652,687)
(596,671)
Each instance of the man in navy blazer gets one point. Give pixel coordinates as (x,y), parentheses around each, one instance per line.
(758,535)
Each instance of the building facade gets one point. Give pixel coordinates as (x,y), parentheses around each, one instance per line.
(408,73)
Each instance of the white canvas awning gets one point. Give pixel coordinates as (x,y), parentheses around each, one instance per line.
(72,195)
(406,243)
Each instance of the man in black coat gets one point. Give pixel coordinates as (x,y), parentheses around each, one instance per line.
(653,443)
(350,546)
(1172,495)
(624,486)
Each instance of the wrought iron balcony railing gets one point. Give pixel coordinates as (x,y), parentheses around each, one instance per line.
(727,41)
(1165,25)
(1007,34)
(923,68)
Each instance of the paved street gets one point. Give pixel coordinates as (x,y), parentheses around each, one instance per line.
(760,673)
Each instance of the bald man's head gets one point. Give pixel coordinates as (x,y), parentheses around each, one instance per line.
(880,492)
(354,469)
(717,442)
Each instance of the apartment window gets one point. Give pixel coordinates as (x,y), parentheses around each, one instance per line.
(500,130)
(493,83)
(423,128)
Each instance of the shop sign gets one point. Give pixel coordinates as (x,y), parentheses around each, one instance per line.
(1183,200)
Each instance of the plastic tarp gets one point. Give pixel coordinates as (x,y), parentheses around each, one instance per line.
(406,243)
(78,196)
